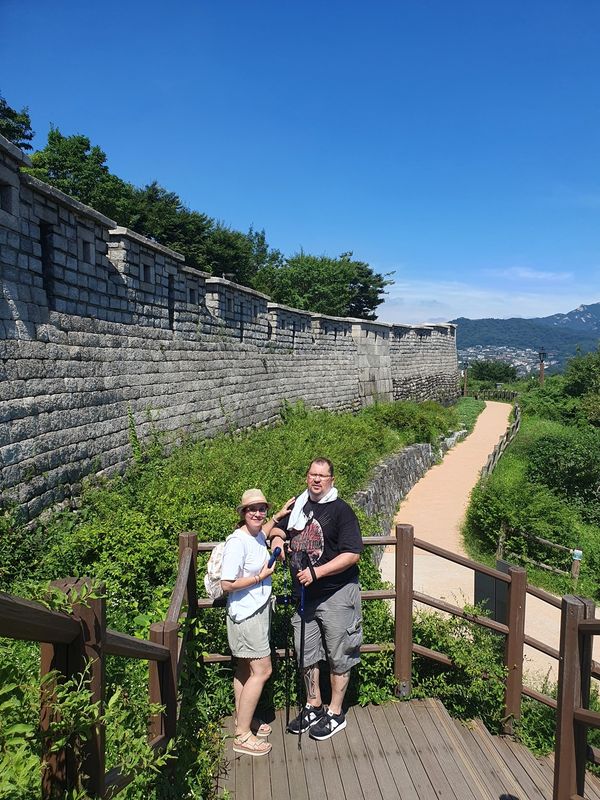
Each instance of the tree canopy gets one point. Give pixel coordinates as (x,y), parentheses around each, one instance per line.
(495,371)
(16,125)
(338,286)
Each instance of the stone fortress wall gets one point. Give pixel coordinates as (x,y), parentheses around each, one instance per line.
(100,326)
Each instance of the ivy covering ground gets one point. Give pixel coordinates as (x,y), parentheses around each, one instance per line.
(124,533)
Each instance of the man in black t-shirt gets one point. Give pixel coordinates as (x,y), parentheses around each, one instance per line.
(325,544)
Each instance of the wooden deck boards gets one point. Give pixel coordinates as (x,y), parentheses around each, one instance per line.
(400,751)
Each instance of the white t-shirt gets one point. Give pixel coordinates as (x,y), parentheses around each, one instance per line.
(245,555)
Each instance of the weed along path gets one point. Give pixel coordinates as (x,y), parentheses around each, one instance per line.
(436,507)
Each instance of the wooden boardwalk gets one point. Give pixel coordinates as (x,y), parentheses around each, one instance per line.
(400,751)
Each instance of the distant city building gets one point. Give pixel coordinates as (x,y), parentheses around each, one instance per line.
(526,362)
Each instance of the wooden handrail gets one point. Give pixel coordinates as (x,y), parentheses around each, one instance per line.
(542,647)
(589,627)
(462,560)
(587,717)
(456,611)
(535,591)
(33,622)
(541,698)
(573,717)
(432,655)
(121,644)
(179,590)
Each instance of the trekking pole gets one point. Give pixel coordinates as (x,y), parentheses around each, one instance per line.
(275,555)
(301,655)
(286,633)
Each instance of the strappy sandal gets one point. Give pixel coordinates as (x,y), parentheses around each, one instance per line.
(260,729)
(250,745)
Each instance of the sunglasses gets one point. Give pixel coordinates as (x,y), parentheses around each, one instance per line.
(255,510)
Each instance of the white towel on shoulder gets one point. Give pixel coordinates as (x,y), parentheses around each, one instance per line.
(298,518)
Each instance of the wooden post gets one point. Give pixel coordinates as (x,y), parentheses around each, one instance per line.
(62,770)
(156,725)
(513,651)
(501,541)
(57,766)
(586,645)
(404,606)
(569,697)
(163,681)
(191,540)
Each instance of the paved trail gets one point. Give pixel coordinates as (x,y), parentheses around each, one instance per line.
(436,508)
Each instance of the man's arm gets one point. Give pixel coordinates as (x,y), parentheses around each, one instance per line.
(275,534)
(337,564)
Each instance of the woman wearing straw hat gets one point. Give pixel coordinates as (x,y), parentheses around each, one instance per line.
(246,578)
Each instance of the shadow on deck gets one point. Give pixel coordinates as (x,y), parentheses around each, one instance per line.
(400,751)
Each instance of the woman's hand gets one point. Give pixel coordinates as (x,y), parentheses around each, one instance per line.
(277,541)
(285,509)
(266,570)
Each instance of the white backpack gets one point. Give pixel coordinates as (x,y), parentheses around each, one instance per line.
(212,577)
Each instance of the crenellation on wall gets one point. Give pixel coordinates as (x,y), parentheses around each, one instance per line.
(289,328)
(238,313)
(101,327)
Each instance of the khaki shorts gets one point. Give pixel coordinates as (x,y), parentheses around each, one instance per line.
(333,630)
(250,637)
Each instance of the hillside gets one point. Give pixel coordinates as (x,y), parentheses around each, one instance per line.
(560,334)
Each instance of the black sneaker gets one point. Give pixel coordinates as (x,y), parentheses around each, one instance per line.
(308,717)
(327,726)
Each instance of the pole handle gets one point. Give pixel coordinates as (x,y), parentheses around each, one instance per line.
(274,556)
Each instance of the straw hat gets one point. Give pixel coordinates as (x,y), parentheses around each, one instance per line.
(250,497)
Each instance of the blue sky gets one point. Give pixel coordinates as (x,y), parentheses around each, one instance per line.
(453,144)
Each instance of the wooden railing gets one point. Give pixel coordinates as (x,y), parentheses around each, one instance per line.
(503,443)
(69,642)
(573,554)
(577,630)
(493,394)
(81,641)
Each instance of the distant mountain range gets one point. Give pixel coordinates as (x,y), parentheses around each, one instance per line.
(560,334)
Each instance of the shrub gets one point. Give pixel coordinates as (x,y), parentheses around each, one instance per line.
(474,686)
(549,401)
(582,374)
(569,464)
(420,422)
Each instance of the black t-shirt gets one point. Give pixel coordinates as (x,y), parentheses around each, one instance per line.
(332,528)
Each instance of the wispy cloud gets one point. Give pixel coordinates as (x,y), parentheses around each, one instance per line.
(411,300)
(528,274)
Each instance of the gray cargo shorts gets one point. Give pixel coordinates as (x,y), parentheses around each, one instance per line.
(333,630)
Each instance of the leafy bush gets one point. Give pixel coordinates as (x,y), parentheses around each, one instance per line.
(582,375)
(507,499)
(569,464)
(549,401)
(474,686)
(422,422)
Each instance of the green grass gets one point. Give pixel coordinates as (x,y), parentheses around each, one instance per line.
(468,410)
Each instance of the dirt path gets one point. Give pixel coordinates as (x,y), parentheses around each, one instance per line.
(436,508)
